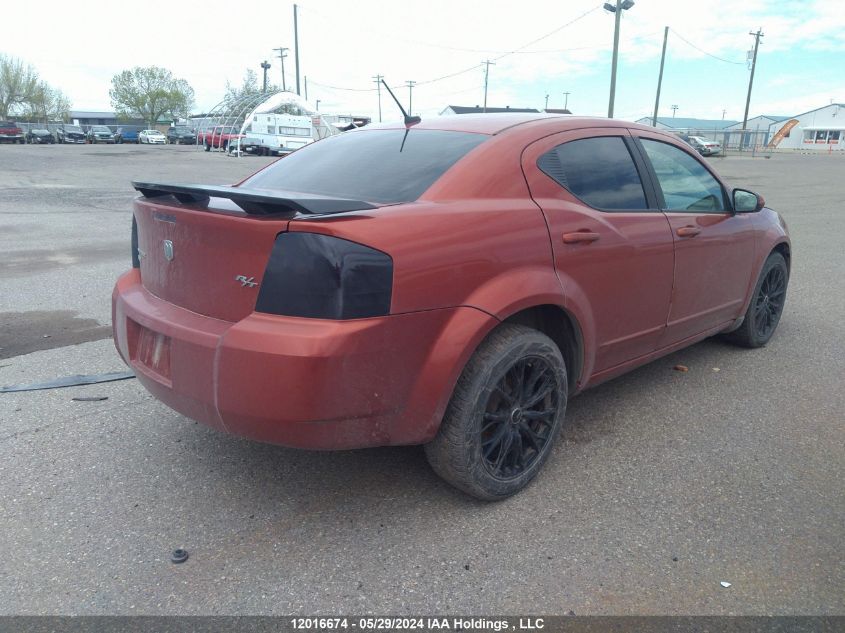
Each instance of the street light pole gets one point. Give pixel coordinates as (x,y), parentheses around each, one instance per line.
(566,100)
(265,66)
(621,5)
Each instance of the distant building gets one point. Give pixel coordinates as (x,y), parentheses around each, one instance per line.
(557,111)
(479,109)
(820,129)
(86,119)
(756,127)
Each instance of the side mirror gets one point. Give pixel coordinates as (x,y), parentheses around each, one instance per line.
(747,201)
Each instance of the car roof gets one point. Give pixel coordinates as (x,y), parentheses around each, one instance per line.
(496,123)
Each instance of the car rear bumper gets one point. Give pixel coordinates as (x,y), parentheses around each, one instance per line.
(305,383)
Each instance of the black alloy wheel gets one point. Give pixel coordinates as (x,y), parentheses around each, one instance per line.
(766,307)
(768,304)
(519,417)
(504,416)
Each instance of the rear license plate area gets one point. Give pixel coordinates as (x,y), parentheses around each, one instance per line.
(152,352)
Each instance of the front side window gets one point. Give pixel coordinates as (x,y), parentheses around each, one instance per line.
(600,171)
(685,182)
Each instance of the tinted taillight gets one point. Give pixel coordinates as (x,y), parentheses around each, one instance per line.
(136,259)
(324,277)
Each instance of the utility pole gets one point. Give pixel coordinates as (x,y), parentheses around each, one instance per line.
(306,87)
(296,45)
(282,54)
(318,105)
(566,100)
(660,77)
(487,64)
(547,102)
(265,67)
(378,79)
(410,85)
(757,37)
(621,5)
(674,109)
(724,112)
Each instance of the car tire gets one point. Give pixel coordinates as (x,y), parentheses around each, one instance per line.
(504,416)
(766,307)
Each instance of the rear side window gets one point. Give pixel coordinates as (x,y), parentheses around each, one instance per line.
(686,184)
(385,166)
(600,171)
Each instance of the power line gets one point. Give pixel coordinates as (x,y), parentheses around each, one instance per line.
(474,66)
(547,35)
(701,50)
(453,48)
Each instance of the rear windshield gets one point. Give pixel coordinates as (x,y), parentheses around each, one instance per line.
(387,166)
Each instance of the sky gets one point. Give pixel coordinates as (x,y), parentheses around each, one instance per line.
(538,48)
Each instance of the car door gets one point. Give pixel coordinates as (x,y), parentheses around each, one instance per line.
(612,247)
(714,247)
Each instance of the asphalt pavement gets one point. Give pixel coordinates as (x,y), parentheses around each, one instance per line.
(664,484)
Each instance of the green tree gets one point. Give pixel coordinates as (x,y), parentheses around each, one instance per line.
(48,104)
(148,93)
(18,86)
(249,86)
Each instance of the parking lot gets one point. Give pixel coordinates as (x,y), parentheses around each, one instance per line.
(664,484)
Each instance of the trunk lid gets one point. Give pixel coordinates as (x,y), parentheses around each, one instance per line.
(207,260)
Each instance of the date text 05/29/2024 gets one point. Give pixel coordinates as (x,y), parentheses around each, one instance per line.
(417,623)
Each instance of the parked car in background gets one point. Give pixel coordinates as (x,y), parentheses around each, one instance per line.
(181,135)
(100,134)
(152,137)
(127,133)
(703,146)
(11,133)
(70,134)
(448,283)
(40,135)
(219,136)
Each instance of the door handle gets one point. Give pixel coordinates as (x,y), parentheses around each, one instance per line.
(688,231)
(587,237)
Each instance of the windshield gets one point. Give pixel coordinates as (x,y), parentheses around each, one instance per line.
(72,128)
(181,130)
(101,128)
(387,166)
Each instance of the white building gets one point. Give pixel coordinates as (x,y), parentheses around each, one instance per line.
(822,129)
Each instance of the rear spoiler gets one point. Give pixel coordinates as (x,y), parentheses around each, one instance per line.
(253,201)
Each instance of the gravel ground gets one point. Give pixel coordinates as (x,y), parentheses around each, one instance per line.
(663,485)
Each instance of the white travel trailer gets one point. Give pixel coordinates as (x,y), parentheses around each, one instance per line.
(270,133)
(283,123)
